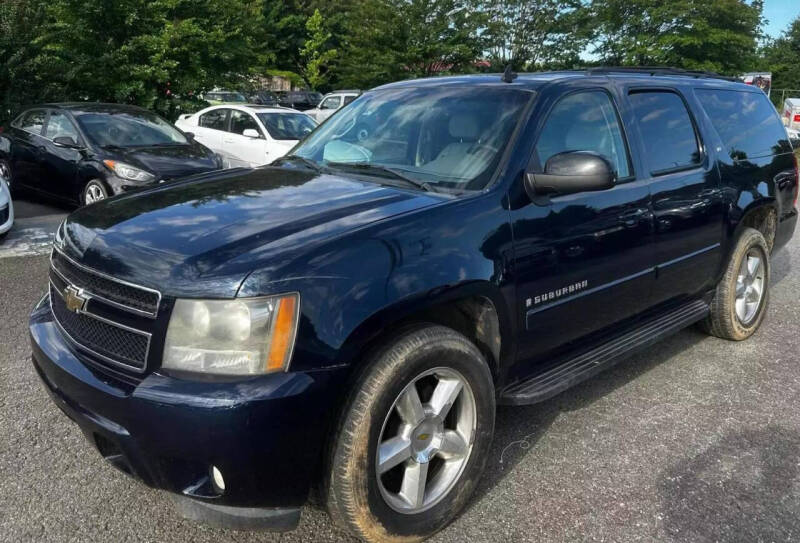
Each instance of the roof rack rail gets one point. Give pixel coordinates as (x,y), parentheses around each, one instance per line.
(658,70)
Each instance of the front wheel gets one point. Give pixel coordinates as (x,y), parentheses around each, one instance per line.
(413,438)
(94,191)
(5,173)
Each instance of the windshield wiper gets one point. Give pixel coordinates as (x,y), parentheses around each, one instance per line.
(396,174)
(303,160)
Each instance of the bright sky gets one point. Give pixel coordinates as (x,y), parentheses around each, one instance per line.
(780,13)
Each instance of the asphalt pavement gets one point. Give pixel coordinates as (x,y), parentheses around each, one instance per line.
(697,439)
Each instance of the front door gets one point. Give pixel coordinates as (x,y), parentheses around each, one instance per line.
(59,164)
(244,151)
(582,261)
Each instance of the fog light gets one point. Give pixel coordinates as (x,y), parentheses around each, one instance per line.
(216,478)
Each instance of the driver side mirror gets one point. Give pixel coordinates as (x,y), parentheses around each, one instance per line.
(571,172)
(66,141)
(251,133)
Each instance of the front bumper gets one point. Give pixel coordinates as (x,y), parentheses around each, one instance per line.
(265,435)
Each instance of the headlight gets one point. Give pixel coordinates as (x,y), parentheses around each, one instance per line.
(126,171)
(232,337)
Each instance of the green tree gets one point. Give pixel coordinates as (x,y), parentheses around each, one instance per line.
(716,35)
(534,33)
(782,58)
(317,52)
(147,52)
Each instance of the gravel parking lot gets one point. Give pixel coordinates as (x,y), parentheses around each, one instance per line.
(697,439)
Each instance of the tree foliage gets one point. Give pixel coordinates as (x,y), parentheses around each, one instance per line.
(715,35)
(162,53)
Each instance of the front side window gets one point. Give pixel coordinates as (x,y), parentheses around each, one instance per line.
(668,134)
(33,121)
(585,121)
(331,102)
(449,137)
(128,129)
(241,121)
(287,126)
(745,121)
(214,119)
(59,126)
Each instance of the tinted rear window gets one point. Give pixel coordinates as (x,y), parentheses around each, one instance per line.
(667,130)
(745,121)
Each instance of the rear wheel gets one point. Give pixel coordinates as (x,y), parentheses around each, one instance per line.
(413,439)
(741,297)
(93,191)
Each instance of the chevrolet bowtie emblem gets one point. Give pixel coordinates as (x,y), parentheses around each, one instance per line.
(74,299)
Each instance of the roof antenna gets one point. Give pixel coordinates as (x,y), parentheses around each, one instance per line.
(509,75)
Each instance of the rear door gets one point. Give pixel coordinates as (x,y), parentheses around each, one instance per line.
(684,184)
(583,261)
(244,151)
(211,126)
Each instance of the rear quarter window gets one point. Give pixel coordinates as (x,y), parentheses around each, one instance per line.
(746,122)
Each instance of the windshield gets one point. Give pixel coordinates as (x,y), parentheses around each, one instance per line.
(129,129)
(287,126)
(445,137)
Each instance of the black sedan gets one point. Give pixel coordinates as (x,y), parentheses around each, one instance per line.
(85,152)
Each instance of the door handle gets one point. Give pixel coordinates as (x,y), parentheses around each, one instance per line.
(631,219)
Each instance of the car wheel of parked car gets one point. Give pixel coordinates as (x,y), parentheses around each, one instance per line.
(414,438)
(5,173)
(741,297)
(94,191)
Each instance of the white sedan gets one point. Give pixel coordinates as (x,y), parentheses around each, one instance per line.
(247,135)
(6,208)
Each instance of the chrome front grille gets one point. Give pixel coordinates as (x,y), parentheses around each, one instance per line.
(108,319)
(139,300)
(107,340)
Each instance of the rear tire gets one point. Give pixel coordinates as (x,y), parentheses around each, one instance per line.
(741,298)
(372,491)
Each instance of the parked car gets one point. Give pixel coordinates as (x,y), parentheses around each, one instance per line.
(331,103)
(84,152)
(350,317)
(791,113)
(224,97)
(6,208)
(299,100)
(248,136)
(264,98)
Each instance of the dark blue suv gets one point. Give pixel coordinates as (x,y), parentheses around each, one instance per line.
(347,319)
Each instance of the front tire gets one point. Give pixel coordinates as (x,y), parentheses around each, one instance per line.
(93,191)
(741,297)
(413,438)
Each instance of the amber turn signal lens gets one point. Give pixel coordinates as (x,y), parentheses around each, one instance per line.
(283,333)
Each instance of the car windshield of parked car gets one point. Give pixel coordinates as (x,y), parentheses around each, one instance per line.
(447,137)
(129,129)
(287,126)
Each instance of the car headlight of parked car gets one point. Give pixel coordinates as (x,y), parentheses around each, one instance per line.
(126,171)
(232,337)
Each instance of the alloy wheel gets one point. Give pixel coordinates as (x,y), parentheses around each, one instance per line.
(94,193)
(749,287)
(426,440)
(5,173)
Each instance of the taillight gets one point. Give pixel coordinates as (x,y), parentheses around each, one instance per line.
(797,118)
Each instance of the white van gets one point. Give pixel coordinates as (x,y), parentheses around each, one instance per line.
(791,113)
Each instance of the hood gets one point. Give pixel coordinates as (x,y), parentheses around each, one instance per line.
(204,234)
(169,161)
